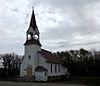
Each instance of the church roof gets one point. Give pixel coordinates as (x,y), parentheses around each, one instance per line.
(40,68)
(33,21)
(50,57)
(32,41)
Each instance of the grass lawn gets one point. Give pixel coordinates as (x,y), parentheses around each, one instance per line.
(89,81)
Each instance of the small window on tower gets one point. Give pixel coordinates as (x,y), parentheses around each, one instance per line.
(45,73)
(29,36)
(29,57)
(36,36)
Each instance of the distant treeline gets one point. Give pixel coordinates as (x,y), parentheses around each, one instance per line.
(81,62)
(10,64)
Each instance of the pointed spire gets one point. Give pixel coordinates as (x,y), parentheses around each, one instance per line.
(33,20)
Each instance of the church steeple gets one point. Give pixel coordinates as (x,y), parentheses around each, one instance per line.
(33,32)
(33,21)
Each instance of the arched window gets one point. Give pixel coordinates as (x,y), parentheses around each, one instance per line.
(36,36)
(29,36)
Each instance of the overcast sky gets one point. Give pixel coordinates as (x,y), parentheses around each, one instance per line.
(63,24)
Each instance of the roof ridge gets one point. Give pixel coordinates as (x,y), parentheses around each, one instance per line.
(46,51)
(50,57)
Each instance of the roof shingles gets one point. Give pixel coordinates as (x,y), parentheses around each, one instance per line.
(51,58)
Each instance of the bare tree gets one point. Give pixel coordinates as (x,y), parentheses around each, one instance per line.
(11,63)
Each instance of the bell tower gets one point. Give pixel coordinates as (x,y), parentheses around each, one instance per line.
(33,32)
(31,48)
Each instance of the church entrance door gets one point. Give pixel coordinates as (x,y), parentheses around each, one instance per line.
(29,71)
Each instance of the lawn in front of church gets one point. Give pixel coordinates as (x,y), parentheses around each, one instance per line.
(75,81)
(89,81)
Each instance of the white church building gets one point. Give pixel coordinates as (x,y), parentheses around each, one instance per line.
(39,64)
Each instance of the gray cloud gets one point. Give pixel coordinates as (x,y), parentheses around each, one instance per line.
(63,24)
